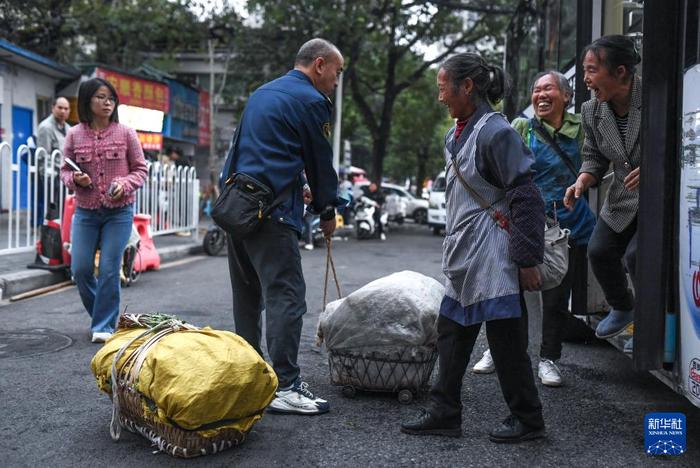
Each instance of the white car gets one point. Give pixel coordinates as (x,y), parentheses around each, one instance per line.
(411,207)
(436,204)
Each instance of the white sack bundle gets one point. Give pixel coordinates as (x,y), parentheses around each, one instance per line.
(391,313)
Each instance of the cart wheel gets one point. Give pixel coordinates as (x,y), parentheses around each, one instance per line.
(405,396)
(349,391)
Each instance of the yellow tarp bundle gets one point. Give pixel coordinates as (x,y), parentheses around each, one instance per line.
(195,378)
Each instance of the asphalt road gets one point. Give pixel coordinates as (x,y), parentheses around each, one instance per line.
(53,415)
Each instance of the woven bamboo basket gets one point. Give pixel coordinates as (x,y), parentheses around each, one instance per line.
(129,405)
(169,438)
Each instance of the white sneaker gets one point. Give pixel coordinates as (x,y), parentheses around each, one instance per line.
(549,373)
(100,337)
(309,246)
(298,400)
(382,236)
(485,364)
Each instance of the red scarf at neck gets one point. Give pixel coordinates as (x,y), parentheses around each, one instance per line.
(460,126)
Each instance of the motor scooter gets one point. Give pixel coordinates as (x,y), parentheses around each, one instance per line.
(365,226)
(214,240)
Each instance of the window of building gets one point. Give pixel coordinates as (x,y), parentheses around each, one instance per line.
(43,107)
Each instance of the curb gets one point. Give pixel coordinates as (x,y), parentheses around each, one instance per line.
(12,284)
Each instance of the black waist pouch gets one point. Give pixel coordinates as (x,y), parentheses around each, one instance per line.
(243,205)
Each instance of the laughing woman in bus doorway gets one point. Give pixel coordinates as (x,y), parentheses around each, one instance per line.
(611,122)
(112,168)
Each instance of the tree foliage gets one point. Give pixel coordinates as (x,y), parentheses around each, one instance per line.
(390,112)
(113,32)
(40,25)
(382,41)
(420,123)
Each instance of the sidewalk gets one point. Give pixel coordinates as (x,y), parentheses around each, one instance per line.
(16,278)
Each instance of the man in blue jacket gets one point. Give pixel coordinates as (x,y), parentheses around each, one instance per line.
(284,132)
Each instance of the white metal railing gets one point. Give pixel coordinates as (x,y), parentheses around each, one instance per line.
(170,196)
(20,234)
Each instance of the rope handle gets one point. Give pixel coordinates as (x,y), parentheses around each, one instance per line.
(133,363)
(330,265)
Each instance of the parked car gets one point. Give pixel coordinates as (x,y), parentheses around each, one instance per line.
(436,204)
(411,207)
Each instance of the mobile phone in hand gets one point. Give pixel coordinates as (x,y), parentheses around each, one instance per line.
(72,165)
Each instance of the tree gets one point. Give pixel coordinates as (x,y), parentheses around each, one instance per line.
(121,30)
(416,146)
(40,25)
(113,32)
(379,39)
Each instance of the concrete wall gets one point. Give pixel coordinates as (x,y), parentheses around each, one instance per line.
(19,87)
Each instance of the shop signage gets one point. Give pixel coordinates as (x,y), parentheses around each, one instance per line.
(151,141)
(182,122)
(137,92)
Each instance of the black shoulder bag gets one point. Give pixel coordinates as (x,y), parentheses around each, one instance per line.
(245,202)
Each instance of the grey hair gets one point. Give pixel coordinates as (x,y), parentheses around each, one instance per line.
(314,48)
(562,82)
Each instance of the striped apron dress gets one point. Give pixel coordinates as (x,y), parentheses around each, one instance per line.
(482,281)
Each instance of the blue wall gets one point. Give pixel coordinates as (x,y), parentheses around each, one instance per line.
(181,121)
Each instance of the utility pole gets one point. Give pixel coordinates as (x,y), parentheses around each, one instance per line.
(336,124)
(212,120)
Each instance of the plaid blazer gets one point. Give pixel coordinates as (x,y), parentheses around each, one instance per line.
(603,146)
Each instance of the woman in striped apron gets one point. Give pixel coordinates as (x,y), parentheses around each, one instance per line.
(555,137)
(494,241)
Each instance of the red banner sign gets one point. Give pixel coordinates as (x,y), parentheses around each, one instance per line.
(151,141)
(204,119)
(137,92)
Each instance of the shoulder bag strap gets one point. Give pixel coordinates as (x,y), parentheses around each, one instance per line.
(231,159)
(497,216)
(555,146)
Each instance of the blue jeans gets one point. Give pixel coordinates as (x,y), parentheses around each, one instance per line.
(107,229)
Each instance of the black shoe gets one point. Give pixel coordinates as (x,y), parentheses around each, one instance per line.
(511,430)
(428,424)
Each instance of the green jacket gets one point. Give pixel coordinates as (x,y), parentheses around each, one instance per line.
(571,127)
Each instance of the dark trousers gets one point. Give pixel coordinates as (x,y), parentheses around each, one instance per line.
(508,344)
(607,250)
(555,306)
(266,273)
(377,216)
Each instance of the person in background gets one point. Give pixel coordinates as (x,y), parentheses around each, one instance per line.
(345,192)
(555,137)
(611,123)
(374,193)
(51,135)
(488,259)
(112,169)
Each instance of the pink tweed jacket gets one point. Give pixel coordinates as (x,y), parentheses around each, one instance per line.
(111,154)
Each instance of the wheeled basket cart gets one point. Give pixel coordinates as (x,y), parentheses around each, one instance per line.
(405,372)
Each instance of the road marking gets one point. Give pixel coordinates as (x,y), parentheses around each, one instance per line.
(183,261)
(164,266)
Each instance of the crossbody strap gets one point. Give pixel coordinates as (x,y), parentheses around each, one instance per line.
(230,159)
(232,166)
(555,146)
(497,216)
